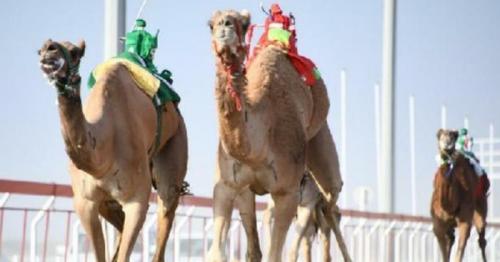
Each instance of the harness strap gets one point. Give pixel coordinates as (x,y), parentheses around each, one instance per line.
(159,124)
(65,87)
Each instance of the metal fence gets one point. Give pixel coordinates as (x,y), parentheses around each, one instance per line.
(50,231)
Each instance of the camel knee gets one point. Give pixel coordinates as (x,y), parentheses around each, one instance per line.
(482,242)
(255,256)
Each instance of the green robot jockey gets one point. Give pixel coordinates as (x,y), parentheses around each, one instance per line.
(140,48)
(464,145)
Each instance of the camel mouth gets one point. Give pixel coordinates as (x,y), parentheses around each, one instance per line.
(51,67)
(226,54)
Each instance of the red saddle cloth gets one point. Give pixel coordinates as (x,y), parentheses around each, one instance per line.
(482,187)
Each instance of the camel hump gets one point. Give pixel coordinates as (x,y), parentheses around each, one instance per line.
(109,73)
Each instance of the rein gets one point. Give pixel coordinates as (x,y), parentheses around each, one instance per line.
(233,69)
(65,87)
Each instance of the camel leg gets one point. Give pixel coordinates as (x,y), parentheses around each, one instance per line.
(323,162)
(302,224)
(246,204)
(445,235)
(307,248)
(88,212)
(285,209)
(135,214)
(113,213)
(224,196)
(169,171)
(480,224)
(267,221)
(324,234)
(463,236)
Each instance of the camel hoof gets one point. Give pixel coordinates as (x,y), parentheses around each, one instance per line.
(254,257)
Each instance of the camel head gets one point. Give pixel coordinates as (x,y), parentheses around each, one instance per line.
(446,140)
(228,29)
(60,61)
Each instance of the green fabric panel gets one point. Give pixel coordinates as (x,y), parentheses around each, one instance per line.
(165,93)
(280,35)
(317,74)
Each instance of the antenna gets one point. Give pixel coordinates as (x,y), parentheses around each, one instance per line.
(141,9)
(263,9)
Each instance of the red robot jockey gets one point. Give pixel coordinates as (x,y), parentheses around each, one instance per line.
(279,30)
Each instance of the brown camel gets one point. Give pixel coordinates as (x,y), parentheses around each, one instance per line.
(271,126)
(109,142)
(454,203)
(310,220)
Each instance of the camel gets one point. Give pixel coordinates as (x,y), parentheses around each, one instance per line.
(310,220)
(271,127)
(454,203)
(110,143)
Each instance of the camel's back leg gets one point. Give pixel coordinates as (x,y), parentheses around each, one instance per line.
(113,213)
(306,244)
(169,171)
(322,160)
(480,223)
(302,225)
(324,234)
(245,201)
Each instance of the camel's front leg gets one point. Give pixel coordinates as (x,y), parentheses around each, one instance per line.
(267,223)
(113,213)
(463,236)
(135,214)
(302,224)
(246,204)
(224,196)
(445,235)
(88,212)
(284,210)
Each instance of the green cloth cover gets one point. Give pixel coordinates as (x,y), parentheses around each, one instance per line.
(165,92)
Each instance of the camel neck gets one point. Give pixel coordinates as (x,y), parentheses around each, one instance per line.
(232,120)
(79,141)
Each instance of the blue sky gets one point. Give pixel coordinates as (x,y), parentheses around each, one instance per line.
(448,52)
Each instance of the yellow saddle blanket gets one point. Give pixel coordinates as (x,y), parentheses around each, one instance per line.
(144,79)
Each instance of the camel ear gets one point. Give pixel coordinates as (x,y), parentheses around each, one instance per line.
(81,46)
(211,21)
(245,20)
(440,131)
(454,134)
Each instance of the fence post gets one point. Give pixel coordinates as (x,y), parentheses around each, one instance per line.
(74,244)
(411,248)
(33,225)
(491,167)
(397,255)
(177,244)
(3,201)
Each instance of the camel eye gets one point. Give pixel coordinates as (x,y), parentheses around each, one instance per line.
(52,47)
